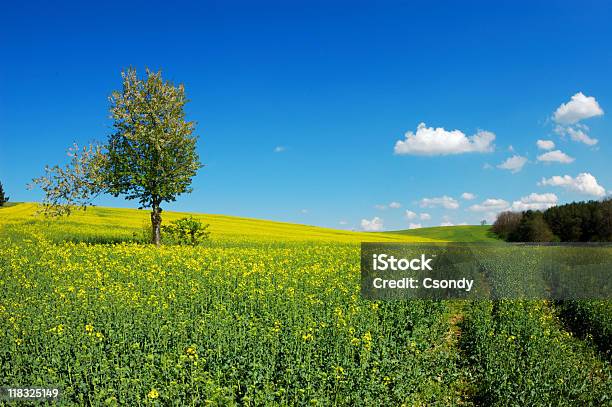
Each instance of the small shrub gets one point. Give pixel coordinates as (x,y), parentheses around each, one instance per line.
(186,231)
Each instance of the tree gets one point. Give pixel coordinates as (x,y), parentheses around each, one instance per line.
(3,198)
(152,154)
(532,228)
(506,223)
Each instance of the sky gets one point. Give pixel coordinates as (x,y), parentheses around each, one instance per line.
(356,115)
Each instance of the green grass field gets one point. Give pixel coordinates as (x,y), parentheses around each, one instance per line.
(267,313)
(451,234)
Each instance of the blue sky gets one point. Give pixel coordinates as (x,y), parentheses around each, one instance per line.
(334,86)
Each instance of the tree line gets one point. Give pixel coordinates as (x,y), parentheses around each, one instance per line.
(574,222)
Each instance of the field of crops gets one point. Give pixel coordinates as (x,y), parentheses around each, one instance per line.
(267,314)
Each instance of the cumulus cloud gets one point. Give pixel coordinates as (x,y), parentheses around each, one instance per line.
(438,141)
(414,226)
(545,144)
(410,215)
(279,149)
(447,223)
(468,196)
(583,183)
(580,107)
(577,134)
(381,207)
(373,225)
(343,223)
(514,164)
(488,205)
(424,216)
(444,201)
(535,202)
(556,156)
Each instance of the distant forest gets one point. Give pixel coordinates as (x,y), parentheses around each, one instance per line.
(575,222)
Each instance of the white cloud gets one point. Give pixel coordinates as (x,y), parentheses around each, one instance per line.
(584,183)
(556,156)
(488,205)
(392,205)
(545,144)
(343,223)
(279,149)
(304,211)
(468,196)
(410,215)
(373,225)
(447,223)
(578,108)
(535,202)
(513,164)
(490,217)
(438,141)
(424,216)
(443,201)
(414,226)
(578,135)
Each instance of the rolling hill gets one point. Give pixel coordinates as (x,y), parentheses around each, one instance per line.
(103,224)
(450,233)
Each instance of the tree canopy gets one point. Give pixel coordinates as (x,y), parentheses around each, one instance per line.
(574,222)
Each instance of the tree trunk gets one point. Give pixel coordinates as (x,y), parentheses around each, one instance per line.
(156,221)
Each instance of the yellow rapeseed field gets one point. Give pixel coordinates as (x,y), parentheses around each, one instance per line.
(266,313)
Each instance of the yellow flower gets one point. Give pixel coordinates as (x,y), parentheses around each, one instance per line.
(367,340)
(99,335)
(339,372)
(192,353)
(277,326)
(153,394)
(89,328)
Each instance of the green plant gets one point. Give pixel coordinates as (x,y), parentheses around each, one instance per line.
(186,231)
